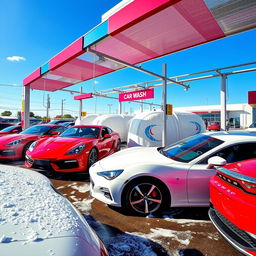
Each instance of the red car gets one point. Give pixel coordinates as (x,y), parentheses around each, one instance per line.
(233,200)
(214,126)
(10,130)
(14,146)
(75,150)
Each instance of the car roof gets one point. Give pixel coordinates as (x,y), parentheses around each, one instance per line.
(233,136)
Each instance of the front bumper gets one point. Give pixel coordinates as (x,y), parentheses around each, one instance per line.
(238,238)
(58,165)
(106,191)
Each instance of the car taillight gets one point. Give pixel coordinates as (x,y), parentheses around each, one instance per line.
(249,187)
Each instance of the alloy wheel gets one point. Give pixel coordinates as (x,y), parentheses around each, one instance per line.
(145,198)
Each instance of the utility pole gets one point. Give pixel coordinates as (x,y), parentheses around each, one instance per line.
(109,108)
(48,105)
(62,105)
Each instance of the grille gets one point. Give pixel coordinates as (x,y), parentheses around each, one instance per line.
(67,164)
(7,153)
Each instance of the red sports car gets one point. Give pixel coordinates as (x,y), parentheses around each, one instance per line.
(75,150)
(10,130)
(14,146)
(233,199)
(214,126)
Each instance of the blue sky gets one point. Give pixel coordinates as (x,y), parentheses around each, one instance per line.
(36,30)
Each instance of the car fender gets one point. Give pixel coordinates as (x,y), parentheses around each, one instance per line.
(175,179)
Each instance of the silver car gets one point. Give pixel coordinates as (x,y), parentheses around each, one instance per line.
(146,180)
(35,220)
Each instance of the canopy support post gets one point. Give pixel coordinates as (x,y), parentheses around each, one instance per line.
(26,91)
(164,97)
(223,103)
(80,105)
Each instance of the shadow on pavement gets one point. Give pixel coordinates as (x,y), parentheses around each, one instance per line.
(193,213)
(124,244)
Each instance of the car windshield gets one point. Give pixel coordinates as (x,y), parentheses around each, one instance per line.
(190,148)
(7,129)
(214,123)
(38,130)
(82,132)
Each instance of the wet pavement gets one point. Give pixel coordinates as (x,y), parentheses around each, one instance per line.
(178,232)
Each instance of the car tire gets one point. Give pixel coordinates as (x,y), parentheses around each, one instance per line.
(25,149)
(92,157)
(118,145)
(146,196)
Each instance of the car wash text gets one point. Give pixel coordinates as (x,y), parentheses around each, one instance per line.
(137,95)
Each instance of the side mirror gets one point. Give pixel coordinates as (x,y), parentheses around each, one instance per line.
(216,161)
(106,136)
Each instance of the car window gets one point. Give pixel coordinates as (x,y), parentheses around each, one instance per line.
(38,130)
(104,131)
(9,128)
(235,153)
(188,149)
(109,130)
(81,132)
(58,129)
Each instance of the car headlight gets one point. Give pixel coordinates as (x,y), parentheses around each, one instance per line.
(32,146)
(110,175)
(14,143)
(76,150)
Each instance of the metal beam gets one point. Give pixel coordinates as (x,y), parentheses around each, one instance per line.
(135,67)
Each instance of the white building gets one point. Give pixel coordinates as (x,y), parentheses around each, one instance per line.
(239,115)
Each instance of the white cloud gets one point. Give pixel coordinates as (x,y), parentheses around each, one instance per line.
(16,58)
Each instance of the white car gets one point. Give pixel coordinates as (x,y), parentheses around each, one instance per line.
(148,179)
(252,127)
(36,220)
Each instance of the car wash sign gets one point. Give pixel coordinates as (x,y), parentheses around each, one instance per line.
(137,95)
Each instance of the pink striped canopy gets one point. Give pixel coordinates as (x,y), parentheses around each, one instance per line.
(141,31)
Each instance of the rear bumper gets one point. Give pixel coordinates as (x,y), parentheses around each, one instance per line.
(235,236)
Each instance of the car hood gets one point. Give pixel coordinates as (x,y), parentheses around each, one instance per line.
(134,156)
(33,213)
(55,147)
(12,137)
